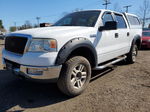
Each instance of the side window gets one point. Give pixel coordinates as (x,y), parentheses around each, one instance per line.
(107,17)
(133,20)
(120,21)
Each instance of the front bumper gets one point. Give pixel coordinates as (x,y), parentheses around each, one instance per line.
(47,73)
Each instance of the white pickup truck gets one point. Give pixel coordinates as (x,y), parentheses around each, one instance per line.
(78,43)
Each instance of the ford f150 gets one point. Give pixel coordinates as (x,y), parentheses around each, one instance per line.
(78,43)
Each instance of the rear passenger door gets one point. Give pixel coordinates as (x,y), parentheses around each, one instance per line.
(123,34)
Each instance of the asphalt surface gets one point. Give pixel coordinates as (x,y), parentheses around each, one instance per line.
(124,89)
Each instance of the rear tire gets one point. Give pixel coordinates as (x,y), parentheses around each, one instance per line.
(75,76)
(132,55)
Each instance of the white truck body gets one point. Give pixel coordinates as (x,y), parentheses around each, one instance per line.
(108,44)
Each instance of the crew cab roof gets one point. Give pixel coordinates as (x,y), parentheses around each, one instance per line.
(102,10)
(133,20)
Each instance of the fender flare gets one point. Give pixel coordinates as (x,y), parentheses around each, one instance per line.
(137,40)
(72,45)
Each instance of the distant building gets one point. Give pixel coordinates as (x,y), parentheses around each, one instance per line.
(45,24)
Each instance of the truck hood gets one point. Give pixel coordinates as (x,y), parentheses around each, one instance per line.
(62,34)
(57,31)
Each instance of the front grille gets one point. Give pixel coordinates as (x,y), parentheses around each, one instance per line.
(15,44)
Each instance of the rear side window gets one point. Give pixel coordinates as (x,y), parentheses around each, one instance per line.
(133,20)
(120,21)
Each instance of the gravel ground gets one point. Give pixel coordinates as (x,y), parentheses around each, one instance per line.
(124,89)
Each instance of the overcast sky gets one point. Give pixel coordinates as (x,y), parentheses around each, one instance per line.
(19,11)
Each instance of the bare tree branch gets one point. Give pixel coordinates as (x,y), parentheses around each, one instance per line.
(144,11)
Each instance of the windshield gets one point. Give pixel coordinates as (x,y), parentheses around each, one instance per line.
(83,18)
(146,34)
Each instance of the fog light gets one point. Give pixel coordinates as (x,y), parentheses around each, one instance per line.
(34,71)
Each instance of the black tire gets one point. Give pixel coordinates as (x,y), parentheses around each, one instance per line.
(73,80)
(131,56)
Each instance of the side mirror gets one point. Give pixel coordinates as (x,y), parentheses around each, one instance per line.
(109,25)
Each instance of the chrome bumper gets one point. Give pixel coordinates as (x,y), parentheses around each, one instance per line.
(48,73)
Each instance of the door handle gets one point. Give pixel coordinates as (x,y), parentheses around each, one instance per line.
(116,35)
(128,34)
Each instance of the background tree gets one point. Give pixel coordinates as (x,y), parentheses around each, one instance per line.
(2,29)
(144,11)
(26,25)
(1,24)
(12,28)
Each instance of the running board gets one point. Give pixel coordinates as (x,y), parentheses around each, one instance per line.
(110,63)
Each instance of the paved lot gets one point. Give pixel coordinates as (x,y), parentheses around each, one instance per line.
(124,89)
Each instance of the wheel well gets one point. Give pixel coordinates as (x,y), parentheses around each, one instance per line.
(85,52)
(138,43)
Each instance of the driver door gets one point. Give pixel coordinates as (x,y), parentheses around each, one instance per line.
(107,41)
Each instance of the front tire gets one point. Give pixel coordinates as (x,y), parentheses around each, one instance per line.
(75,76)
(132,55)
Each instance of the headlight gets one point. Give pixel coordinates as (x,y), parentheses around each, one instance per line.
(148,40)
(38,45)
